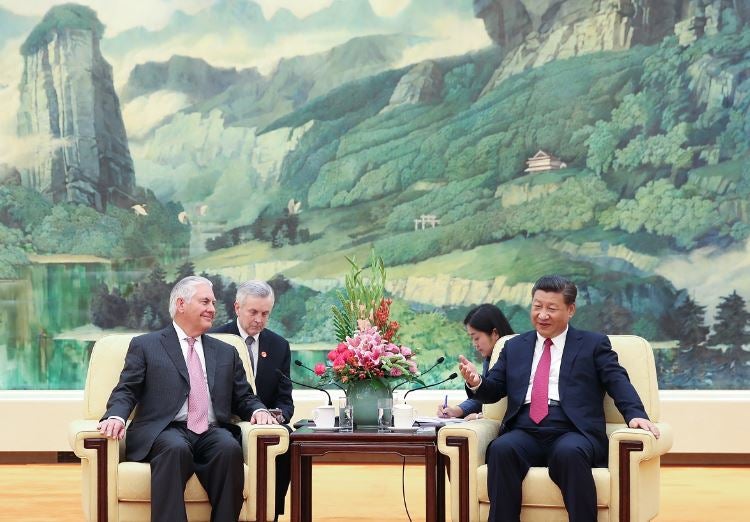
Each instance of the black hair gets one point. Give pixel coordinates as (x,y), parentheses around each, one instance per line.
(558,285)
(486,318)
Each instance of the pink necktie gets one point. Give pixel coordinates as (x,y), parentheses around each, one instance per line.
(540,386)
(197,421)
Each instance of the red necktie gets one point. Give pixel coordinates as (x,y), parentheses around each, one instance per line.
(197,420)
(540,387)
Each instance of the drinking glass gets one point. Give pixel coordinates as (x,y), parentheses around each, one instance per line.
(346,415)
(385,413)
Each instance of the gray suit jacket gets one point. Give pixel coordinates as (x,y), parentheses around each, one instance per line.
(155,378)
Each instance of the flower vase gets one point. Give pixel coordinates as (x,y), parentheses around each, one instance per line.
(363,396)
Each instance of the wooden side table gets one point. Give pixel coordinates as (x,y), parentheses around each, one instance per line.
(306,443)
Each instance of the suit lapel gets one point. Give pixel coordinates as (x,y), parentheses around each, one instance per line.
(172,347)
(209,353)
(570,352)
(527,357)
(262,342)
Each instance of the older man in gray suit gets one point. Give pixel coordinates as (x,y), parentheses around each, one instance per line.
(186,386)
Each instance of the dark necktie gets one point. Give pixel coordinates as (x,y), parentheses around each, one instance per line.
(540,386)
(197,420)
(249,341)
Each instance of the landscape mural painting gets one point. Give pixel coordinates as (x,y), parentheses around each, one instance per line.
(474,146)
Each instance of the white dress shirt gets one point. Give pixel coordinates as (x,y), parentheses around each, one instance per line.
(556,351)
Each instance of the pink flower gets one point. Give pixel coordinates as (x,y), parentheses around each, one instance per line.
(368,354)
(363,324)
(320,369)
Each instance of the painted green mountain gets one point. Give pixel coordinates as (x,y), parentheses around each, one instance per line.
(646,135)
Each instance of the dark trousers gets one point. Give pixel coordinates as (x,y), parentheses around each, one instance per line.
(554,443)
(214,456)
(283,477)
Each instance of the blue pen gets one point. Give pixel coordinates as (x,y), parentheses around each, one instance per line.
(445,404)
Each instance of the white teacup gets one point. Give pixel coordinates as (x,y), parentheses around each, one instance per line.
(404,416)
(325,416)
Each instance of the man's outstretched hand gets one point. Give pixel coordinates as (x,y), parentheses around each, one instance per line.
(469,372)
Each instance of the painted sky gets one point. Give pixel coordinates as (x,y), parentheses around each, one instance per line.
(120,15)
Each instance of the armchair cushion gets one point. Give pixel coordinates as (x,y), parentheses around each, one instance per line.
(540,491)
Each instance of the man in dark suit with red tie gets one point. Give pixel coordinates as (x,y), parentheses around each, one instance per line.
(187,386)
(554,378)
(269,352)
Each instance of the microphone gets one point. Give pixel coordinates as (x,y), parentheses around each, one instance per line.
(450,377)
(440,360)
(330,402)
(299,363)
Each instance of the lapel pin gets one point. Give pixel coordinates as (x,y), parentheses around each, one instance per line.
(263,354)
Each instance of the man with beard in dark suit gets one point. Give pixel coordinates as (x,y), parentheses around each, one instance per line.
(554,377)
(269,352)
(187,386)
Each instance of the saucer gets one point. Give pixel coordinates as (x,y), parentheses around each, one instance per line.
(321,428)
(409,429)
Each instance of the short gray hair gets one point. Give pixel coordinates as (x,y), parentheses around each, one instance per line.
(254,288)
(185,288)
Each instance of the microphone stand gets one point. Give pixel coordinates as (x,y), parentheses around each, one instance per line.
(450,377)
(330,402)
(440,360)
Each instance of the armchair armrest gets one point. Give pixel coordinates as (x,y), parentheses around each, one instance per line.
(466,444)
(261,444)
(652,447)
(634,471)
(99,458)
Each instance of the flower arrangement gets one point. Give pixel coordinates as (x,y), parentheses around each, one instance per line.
(368,347)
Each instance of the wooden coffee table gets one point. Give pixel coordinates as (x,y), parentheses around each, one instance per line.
(306,443)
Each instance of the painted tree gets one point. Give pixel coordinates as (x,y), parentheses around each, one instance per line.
(614,318)
(148,302)
(690,328)
(184,270)
(732,321)
(108,310)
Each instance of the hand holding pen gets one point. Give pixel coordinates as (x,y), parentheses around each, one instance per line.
(446,411)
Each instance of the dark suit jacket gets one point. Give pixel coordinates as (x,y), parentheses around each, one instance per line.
(155,378)
(273,390)
(589,367)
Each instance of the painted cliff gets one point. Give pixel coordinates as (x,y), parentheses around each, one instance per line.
(70,112)
(533,32)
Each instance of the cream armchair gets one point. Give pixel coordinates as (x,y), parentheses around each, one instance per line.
(117,491)
(627,490)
